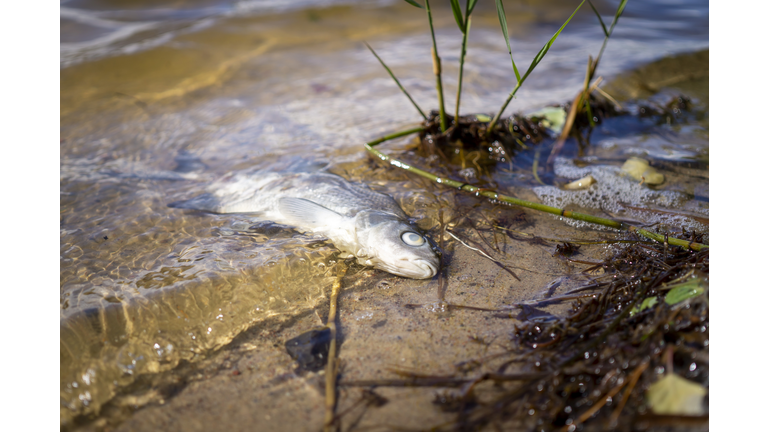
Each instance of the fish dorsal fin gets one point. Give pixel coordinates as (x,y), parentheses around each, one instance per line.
(307,213)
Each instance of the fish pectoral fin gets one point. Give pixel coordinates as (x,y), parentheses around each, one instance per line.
(307,213)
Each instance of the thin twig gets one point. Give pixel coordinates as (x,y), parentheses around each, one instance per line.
(566,129)
(396,135)
(449,306)
(443,381)
(632,381)
(578,242)
(483,253)
(609,97)
(528,204)
(332,366)
(548,301)
(485,240)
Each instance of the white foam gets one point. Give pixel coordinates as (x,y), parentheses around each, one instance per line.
(611,190)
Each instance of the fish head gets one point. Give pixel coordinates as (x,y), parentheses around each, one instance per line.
(395,246)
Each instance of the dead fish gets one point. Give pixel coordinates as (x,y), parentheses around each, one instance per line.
(360,222)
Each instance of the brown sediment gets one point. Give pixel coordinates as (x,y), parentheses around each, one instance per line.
(581,362)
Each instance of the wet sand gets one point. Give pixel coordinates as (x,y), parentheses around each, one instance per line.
(252,384)
(126,120)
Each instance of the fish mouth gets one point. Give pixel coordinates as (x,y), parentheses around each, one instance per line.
(414,269)
(429,269)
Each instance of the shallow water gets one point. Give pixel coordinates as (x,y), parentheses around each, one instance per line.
(158,99)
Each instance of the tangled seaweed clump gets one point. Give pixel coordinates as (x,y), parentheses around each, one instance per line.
(650,320)
(469,138)
(632,353)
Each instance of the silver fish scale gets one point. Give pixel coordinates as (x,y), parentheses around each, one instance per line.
(260,193)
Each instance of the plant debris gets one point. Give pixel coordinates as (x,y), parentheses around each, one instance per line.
(468,142)
(600,345)
(606,364)
(566,249)
(582,183)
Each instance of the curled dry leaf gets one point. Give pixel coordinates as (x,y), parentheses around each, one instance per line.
(582,183)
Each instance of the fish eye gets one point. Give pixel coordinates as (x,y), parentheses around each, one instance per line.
(412,239)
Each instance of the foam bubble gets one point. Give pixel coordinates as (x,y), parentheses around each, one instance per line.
(612,190)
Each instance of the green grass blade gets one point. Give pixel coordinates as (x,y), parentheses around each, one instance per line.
(437,69)
(602,24)
(470,6)
(396,81)
(395,135)
(457,15)
(503,22)
(534,63)
(414,3)
(461,63)
(468,23)
(545,48)
(589,113)
(619,11)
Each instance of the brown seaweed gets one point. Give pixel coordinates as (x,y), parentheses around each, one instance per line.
(588,370)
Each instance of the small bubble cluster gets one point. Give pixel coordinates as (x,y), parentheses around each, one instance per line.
(468,173)
(611,191)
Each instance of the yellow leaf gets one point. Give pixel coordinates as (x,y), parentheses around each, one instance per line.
(639,169)
(582,183)
(675,395)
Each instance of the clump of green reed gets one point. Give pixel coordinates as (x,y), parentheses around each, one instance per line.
(463,20)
